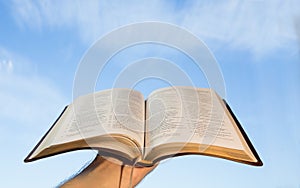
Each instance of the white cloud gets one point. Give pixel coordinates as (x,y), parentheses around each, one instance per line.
(258,26)
(26,98)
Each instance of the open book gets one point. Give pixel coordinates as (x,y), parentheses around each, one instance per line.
(173,121)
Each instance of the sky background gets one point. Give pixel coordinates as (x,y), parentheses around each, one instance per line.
(257,46)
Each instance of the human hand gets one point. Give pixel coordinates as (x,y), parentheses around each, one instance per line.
(108,173)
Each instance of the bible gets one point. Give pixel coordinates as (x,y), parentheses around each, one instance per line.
(171,122)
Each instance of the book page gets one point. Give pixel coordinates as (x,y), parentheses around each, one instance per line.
(116,111)
(188,115)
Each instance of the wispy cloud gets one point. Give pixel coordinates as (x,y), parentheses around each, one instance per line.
(297,28)
(25,97)
(258,26)
(255,25)
(6,66)
(90,18)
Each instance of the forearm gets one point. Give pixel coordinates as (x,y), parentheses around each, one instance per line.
(108,173)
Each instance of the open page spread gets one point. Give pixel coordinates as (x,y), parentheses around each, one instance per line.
(175,120)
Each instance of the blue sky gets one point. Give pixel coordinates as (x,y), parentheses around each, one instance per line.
(256,43)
